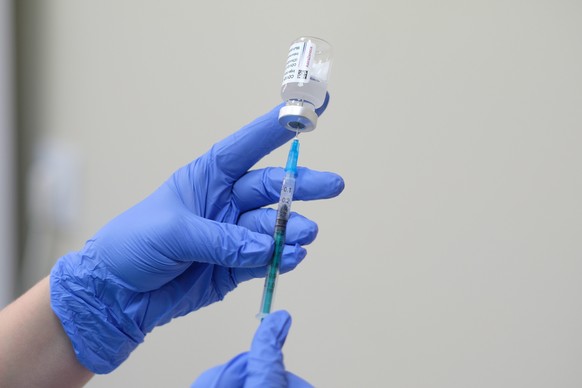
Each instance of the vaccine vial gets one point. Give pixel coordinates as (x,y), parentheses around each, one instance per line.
(305,83)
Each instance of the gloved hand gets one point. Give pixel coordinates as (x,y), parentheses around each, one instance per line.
(262,366)
(185,246)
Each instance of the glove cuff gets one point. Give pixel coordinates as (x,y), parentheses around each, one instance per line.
(90,305)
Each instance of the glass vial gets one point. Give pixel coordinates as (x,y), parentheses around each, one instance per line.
(305,83)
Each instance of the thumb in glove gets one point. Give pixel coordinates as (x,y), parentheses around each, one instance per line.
(262,366)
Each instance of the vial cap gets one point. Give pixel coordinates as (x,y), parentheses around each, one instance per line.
(298,118)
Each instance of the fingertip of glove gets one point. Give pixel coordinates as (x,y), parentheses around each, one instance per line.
(283,316)
(335,184)
(292,259)
(301,253)
(338,183)
(302,229)
(323,107)
(277,324)
(314,184)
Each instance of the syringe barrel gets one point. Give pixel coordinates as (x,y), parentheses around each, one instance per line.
(286,199)
(283,214)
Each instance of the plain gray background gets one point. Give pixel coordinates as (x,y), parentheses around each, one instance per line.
(452,259)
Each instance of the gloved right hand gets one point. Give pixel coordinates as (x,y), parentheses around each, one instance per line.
(262,366)
(188,244)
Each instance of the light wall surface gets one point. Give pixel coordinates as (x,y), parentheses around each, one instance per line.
(454,256)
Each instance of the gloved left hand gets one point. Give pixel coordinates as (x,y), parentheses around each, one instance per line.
(185,246)
(262,366)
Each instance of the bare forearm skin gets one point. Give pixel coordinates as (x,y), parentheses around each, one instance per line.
(34,349)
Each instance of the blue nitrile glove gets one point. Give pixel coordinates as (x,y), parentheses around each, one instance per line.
(185,246)
(262,366)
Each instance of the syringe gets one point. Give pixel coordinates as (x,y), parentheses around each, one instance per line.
(283,212)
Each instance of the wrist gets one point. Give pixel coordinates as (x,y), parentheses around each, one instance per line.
(92,309)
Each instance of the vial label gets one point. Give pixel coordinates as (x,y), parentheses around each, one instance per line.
(299,62)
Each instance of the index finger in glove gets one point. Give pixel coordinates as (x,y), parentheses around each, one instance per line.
(237,153)
(240,151)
